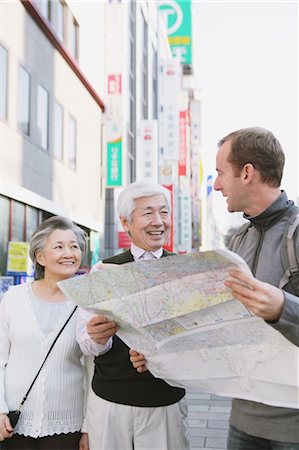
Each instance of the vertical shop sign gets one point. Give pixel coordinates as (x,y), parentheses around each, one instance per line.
(114,97)
(148,154)
(166,179)
(186,224)
(169,88)
(114,50)
(183,143)
(124,240)
(114,140)
(177,17)
(169,243)
(95,246)
(114,84)
(114,159)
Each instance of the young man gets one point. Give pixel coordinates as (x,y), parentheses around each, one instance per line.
(131,409)
(250,165)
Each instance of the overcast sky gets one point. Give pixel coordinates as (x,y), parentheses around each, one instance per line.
(247,71)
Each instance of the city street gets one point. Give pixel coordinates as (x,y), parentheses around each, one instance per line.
(208,420)
(133,130)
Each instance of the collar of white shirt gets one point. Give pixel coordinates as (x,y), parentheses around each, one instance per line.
(140,253)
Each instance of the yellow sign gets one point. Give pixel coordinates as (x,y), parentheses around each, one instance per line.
(18,258)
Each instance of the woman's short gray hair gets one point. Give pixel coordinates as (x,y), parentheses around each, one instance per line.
(38,239)
(128,196)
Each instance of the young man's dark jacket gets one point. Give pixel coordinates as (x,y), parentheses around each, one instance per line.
(260,248)
(115,378)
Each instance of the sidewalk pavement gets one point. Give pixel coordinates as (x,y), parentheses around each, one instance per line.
(208,420)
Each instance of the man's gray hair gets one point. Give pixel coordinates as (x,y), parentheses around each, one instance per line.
(38,239)
(128,196)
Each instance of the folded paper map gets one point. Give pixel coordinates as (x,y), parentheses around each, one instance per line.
(193,333)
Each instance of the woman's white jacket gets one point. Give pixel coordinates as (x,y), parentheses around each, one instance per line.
(55,403)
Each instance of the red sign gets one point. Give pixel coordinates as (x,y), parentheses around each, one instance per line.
(123,240)
(114,84)
(183,143)
(169,244)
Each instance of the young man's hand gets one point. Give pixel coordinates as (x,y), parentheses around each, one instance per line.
(262,299)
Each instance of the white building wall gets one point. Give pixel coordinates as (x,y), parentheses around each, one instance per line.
(26,167)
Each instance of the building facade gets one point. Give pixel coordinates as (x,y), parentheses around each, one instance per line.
(51,126)
(131,61)
(149,129)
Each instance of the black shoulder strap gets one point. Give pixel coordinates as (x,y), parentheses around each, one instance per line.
(288,253)
(287,250)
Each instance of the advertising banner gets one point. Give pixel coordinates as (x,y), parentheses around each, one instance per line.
(169,244)
(114,163)
(113,153)
(95,246)
(169,88)
(166,179)
(114,84)
(114,110)
(186,221)
(183,143)
(148,151)
(123,240)
(18,261)
(114,48)
(177,17)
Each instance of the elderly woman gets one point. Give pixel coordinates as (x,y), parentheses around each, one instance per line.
(31,316)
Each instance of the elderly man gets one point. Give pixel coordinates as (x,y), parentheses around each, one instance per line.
(131,409)
(250,164)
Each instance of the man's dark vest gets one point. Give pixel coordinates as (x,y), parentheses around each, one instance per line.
(115,378)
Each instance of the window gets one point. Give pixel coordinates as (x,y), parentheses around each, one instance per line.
(24,100)
(58,131)
(44,7)
(42,117)
(74,39)
(3,82)
(18,221)
(31,221)
(72,143)
(59,19)
(4,232)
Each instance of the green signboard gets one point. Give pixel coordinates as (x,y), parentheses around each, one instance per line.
(177,17)
(114,163)
(95,246)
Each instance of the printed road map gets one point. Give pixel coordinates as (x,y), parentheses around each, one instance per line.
(178,313)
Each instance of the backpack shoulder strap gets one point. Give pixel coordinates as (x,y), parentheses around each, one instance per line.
(288,253)
(238,237)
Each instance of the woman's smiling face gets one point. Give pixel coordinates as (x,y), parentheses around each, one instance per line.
(61,255)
